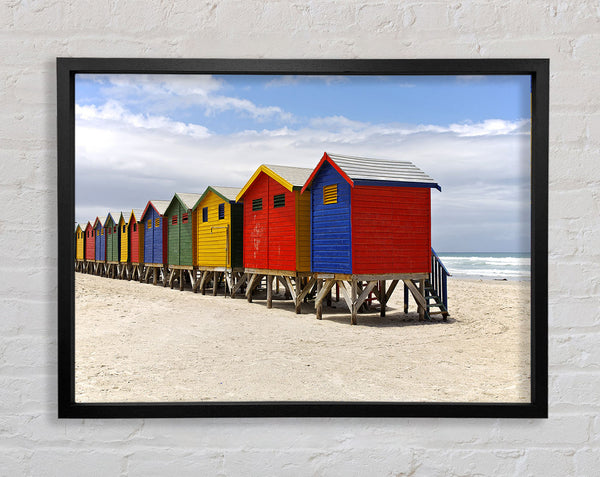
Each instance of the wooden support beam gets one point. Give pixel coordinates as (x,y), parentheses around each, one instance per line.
(365,293)
(354,293)
(307,289)
(346,294)
(269,291)
(215,283)
(423,308)
(421,303)
(252,284)
(391,289)
(205,276)
(286,288)
(240,281)
(324,291)
(382,301)
(298,300)
(154,276)
(192,274)
(290,287)
(319,308)
(181,281)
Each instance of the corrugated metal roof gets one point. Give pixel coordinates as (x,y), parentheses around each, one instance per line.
(160,205)
(296,176)
(379,169)
(115,216)
(229,192)
(137,213)
(188,199)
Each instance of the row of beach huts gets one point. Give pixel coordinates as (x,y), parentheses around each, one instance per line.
(352,226)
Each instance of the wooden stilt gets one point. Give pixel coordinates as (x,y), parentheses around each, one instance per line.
(155,276)
(382,300)
(181,280)
(298,300)
(422,308)
(215,282)
(354,310)
(240,282)
(269,291)
(319,307)
(405,299)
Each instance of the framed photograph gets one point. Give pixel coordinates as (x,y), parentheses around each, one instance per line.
(270,238)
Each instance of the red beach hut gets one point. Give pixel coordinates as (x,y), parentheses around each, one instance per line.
(276,227)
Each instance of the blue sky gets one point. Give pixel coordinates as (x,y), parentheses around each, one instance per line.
(144,137)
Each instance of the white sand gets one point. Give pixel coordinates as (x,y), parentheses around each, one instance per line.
(139,342)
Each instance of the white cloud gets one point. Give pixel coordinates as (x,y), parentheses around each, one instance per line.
(171,92)
(114,112)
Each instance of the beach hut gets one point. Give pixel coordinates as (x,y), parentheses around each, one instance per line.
(90,248)
(113,244)
(100,249)
(370,222)
(181,248)
(277,229)
(123,246)
(131,244)
(79,248)
(155,239)
(218,222)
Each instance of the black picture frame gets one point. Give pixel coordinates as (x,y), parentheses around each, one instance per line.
(67,68)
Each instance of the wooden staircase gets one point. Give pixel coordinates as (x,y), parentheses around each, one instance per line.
(430,293)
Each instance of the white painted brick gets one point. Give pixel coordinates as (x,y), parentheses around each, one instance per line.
(567,312)
(576,389)
(63,462)
(468,462)
(547,462)
(574,430)
(183,463)
(15,462)
(575,350)
(587,461)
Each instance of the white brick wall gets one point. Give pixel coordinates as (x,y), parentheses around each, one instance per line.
(34,442)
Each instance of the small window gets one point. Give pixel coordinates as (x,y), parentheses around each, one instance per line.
(257,204)
(221,211)
(124,228)
(279,200)
(115,229)
(134,227)
(109,231)
(102,232)
(184,218)
(149,223)
(157,222)
(330,194)
(174,220)
(205,214)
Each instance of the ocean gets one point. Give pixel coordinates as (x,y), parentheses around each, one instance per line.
(488,265)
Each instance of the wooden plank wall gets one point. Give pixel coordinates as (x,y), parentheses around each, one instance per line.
(212,245)
(90,243)
(391,229)
(256,235)
(135,244)
(330,224)
(124,231)
(282,228)
(100,237)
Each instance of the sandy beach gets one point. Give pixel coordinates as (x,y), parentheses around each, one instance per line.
(143,343)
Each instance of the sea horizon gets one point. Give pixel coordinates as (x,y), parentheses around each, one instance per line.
(488,265)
